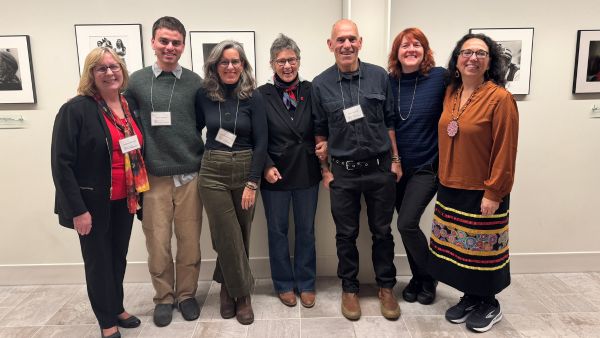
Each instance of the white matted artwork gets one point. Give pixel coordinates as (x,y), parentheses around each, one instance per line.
(517,47)
(587,62)
(16,70)
(202,43)
(124,39)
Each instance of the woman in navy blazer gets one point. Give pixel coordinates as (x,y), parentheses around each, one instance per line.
(292,174)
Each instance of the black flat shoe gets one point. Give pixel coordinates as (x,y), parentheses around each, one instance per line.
(129,323)
(427,294)
(114,335)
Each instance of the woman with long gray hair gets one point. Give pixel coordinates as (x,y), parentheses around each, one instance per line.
(236,143)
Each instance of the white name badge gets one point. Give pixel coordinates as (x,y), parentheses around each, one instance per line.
(160,118)
(129,143)
(353,113)
(226,137)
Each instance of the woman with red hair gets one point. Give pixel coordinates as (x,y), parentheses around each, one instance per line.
(418,88)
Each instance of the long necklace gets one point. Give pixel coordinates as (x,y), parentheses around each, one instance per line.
(411,102)
(452,128)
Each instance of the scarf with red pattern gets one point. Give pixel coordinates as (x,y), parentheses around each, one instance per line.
(136,178)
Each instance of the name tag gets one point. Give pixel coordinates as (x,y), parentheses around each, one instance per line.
(129,143)
(160,118)
(226,137)
(353,113)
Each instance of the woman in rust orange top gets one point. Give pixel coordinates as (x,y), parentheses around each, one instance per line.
(478,133)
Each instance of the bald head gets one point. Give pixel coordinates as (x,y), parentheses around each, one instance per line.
(345,43)
(346,23)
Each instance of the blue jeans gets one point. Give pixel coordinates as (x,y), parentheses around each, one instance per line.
(277,208)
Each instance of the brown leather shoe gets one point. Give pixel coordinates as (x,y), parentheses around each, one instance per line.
(244,313)
(227,304)
(388,304)
(288,298)
(307,298)
(350,306)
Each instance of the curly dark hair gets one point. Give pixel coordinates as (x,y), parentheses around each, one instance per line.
(494,74)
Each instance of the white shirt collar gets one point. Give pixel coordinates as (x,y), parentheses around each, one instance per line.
(157,70)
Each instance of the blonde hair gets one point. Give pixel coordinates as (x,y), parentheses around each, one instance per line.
(87,86)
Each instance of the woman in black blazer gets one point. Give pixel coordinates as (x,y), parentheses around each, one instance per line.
(292,174)
(99,175)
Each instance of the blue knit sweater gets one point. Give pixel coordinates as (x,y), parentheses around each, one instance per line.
(416,134)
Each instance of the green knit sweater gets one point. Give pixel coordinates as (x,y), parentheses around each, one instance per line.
(178,148)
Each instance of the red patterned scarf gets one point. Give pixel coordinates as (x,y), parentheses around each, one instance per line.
(136,178)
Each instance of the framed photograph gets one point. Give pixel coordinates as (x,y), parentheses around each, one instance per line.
(587,62)
(16,70)
(125,39)
(517,47)
(202,43)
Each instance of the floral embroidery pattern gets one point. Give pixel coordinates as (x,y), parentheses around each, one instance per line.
(473,242)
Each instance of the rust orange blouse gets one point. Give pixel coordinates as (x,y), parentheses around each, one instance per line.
(482,155)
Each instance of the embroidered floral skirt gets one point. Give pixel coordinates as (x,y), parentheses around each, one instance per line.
(469,251)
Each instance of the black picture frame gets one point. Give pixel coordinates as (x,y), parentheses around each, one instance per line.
(125,39)
(17,84)
(517,46)
(586,76)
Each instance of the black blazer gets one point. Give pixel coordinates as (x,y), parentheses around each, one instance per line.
(81,161)
(291,147)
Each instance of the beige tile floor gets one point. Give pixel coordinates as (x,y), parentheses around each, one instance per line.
(535,305)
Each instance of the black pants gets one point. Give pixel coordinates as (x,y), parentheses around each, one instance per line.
(104,252)
(413,193)
(379,188)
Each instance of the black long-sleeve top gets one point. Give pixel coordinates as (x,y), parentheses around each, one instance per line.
(360,139)
(250,130)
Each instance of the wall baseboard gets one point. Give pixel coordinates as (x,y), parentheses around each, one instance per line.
(137,272)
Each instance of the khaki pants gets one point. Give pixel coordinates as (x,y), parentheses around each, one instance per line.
(222,179)
(169,209)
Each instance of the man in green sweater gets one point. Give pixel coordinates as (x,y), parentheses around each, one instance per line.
(173,148)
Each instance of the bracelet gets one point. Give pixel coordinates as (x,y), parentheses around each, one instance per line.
(324,165)
(395,159)
(251,185)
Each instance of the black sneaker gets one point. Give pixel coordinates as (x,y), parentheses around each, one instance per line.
(486,315)
(427,294)
(459,312)
(189,309)
(163,314)
(411,291)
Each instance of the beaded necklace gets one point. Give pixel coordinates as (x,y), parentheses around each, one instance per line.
(452,128)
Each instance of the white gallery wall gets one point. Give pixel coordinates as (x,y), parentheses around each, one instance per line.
(553,221)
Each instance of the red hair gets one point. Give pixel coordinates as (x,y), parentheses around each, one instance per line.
(394,66)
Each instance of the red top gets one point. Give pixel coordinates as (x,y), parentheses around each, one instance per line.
(118,158)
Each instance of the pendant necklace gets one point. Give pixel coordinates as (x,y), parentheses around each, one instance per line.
(452,128)
(411,102)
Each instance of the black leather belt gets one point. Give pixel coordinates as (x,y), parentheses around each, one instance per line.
(351,165)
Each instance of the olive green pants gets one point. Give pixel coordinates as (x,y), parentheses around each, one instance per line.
(222,179)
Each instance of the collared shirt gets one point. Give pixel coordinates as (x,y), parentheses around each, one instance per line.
(334,91)
(157,70)
(182,179)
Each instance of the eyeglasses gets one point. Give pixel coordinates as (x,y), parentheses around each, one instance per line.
(467,53)
(225,63)
(103,69)
(291,61)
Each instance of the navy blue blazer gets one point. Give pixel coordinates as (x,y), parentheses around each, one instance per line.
(291,145)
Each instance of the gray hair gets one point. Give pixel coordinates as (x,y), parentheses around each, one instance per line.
(283,42)
(212,82)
